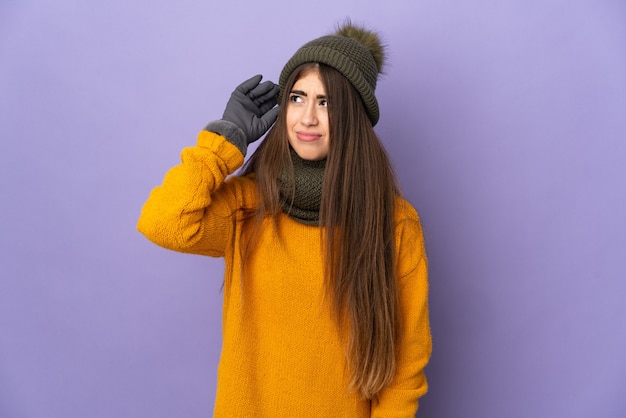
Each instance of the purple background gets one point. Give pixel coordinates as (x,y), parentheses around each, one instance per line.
(507,124)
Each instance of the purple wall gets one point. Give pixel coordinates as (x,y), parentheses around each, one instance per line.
(507,123)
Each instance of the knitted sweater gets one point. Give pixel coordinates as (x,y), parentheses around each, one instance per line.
(282,354)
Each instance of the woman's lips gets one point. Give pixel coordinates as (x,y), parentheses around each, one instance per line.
(307,136)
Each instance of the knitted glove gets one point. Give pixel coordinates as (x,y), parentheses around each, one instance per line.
(249,113)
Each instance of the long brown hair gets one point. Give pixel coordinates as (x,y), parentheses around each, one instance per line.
(357,220)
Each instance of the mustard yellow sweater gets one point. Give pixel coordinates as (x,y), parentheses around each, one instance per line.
(281,355)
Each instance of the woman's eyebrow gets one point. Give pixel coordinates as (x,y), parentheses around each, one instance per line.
(301,93)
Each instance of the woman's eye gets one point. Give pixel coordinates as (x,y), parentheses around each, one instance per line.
(295,98)
(324,103)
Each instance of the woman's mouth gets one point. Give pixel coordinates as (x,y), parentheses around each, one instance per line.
(308,136)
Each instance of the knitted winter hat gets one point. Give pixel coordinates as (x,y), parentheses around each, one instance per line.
(355,52)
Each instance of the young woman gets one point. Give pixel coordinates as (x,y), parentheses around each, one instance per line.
(325,288)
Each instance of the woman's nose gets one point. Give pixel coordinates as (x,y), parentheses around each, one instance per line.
(309,116)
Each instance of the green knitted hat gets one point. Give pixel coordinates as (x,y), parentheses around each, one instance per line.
(355,52)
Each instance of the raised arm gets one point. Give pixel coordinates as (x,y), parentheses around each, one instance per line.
(194,209)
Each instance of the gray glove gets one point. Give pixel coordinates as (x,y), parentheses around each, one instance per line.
(250,112)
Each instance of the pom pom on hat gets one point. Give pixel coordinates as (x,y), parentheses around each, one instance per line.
(355,52)
(368,39)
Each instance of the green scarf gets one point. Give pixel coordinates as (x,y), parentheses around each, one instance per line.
(308,179)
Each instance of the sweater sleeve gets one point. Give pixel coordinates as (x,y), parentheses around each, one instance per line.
(400,399)
(194,209)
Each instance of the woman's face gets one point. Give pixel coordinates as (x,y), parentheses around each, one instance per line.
(307,117)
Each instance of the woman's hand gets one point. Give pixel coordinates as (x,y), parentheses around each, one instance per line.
(252,107)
